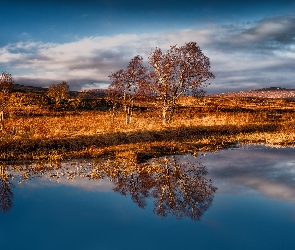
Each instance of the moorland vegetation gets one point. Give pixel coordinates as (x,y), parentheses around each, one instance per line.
(147,112)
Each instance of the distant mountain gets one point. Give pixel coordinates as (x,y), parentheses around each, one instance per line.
(271,92)
(273,88)
(89,94)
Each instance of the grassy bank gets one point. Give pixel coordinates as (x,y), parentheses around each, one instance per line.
(206,124)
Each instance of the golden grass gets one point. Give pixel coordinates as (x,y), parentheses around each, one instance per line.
(200,125)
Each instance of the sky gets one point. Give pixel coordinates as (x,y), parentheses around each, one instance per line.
(250,43)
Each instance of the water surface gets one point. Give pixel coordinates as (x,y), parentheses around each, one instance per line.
(242,198)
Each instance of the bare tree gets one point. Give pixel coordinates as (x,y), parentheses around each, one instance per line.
(6,82)
(177,72)
(115,90)
(58,92)
(125,85)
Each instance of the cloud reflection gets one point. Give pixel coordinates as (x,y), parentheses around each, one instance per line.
(266,170)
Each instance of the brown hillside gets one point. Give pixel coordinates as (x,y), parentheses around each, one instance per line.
(272,92)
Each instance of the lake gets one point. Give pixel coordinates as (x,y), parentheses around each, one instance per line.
(239,198)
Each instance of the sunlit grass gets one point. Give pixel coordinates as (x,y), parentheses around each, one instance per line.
(201,124)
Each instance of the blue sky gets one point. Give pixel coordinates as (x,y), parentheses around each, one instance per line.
(251,44)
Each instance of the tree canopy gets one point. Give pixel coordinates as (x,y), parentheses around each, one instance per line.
(179,71)
(126,84)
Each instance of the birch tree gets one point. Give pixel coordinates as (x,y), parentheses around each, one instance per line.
(6,82)
(179,71)
(125,85)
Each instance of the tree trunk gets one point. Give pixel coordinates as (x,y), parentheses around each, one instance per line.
(171,111)
(171,114)
(128,115)
(1,120)
(164,114)
(113,112)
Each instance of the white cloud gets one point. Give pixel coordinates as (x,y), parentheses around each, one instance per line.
(6,56)
(234,51)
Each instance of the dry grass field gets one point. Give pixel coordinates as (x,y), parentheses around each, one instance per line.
(199,124)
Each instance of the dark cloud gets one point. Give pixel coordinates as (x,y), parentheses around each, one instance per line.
(272,32)
(252,56)
(286,32)
(102,60)
(267,35)
(27,81)
(75,84)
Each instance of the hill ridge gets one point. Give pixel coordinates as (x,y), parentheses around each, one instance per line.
(270,92)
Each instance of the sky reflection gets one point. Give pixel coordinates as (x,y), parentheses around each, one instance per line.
(256,169)
(253,207)
(266,170)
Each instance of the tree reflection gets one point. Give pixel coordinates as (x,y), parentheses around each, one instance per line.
(6,195)
(179,188)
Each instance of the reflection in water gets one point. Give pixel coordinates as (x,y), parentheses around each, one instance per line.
(6,194)
(179,188)
(268,171)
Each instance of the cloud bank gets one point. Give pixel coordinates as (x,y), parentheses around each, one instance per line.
(243,56)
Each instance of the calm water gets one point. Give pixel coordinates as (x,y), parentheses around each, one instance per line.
(240,198)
